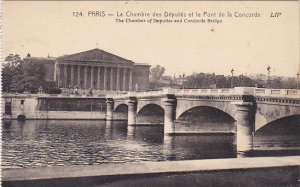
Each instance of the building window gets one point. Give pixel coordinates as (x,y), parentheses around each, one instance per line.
(22,102)
(8,108)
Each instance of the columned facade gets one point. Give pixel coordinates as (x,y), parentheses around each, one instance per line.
(99,70)
(94,77)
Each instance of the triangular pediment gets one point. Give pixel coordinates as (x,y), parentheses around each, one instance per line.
(95,55)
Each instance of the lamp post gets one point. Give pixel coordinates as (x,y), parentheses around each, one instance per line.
(268,80)
(232,71)
(298,80)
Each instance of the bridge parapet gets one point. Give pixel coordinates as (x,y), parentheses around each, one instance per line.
(237,91)
(262,92)
(285,93)
(216,92)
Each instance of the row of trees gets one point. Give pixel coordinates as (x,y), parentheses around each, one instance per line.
(204,80)
(18,76)
(207,80)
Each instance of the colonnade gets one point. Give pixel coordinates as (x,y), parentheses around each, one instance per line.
(93,76)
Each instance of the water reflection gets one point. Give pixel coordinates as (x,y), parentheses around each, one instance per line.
(56,143)
(44,143)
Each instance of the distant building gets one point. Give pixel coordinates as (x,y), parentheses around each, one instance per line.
(95,69)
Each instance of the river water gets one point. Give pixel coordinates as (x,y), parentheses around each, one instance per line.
(45,143)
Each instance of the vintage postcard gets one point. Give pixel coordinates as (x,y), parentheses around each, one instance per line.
(150,93)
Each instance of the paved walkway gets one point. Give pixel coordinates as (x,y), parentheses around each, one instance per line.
(167,167)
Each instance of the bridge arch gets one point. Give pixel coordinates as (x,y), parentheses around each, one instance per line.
(208,107)
(121,112)
(118,104)
(266,114)
(224,107)
(144,102)
(121,108)
(205,118)
(284,125)
(150,114)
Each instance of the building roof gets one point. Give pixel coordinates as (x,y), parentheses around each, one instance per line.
(40,59)
(141,64)
(95,55)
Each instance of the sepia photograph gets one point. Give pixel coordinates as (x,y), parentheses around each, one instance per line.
(150,93)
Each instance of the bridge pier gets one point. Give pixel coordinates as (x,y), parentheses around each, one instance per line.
(109,109)
(244,126)
(169,117)
(132,109)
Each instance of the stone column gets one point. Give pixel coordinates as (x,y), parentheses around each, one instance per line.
(55,71)
(78,76)
(111,78)
(132,107)
(105,79)
(170,113)
(124,80)
(98,77)
(85,77)
(118,78)
(109,108)
(58,76)
(72,76)
(244,126)
(92,77)
(65,75)
(130,80)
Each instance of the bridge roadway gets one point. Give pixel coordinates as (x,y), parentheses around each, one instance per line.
(251,108)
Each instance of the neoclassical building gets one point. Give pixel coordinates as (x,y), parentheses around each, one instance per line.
(96,69)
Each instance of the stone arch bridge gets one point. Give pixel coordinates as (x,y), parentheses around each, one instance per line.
(251,108)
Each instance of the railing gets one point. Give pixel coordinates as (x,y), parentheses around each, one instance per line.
(138,94)
(227,91)
(285,93)
(261,92)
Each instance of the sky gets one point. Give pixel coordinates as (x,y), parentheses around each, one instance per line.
(248,45)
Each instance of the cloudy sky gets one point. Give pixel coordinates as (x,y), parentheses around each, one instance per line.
(248,45)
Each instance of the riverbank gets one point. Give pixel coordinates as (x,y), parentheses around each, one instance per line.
(262,171)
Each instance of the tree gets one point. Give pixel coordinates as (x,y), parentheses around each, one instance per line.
(30,78)
(222,82)
(21,76)
(205,80)
(276,83)
(156,74)
(245,81)
(14,60)
(10,68)
(6,77)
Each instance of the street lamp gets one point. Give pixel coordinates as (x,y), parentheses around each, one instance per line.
(297,81)
(268,80)
(232,71)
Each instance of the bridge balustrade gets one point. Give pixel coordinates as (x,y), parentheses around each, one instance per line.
(227,91)
(262,92)
(286,93)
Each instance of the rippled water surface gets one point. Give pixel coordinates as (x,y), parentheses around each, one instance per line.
(58,143)
(49,143)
